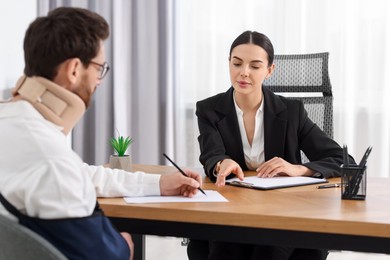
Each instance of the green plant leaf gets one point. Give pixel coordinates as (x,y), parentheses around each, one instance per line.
(120,144)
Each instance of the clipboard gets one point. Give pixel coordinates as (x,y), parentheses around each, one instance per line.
(254,182)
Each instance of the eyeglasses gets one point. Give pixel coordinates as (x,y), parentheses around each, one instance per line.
(104,68)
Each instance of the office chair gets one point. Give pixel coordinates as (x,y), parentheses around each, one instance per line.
(305,77)
(18,242)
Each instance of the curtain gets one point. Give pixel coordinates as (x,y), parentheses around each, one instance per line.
(355,32)
(11,44)
(132,100)
(166,55)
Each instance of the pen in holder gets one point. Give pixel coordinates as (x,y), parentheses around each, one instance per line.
(353,182)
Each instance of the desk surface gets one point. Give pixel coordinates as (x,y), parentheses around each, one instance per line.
(303,208)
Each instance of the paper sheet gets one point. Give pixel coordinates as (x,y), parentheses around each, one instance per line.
(212,196)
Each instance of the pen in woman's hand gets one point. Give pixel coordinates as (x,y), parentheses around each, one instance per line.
(182,172)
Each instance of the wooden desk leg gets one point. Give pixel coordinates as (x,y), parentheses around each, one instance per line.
(139,244)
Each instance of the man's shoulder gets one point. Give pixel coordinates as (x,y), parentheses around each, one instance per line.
(20,108)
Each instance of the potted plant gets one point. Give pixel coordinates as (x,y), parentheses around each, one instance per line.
(120,160)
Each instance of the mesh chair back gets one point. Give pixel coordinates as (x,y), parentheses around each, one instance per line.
(306,77)
(18,242)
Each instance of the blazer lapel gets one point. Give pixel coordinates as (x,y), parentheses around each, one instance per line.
(229,129)
(275,126)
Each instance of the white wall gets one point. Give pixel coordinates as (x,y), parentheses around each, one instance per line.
(15,16)
(356,35)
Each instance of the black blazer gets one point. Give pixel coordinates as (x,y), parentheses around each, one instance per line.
(287,130)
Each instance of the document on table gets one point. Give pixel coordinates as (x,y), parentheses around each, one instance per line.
(255,182)
(212,196)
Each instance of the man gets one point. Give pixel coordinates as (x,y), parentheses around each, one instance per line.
(42,181)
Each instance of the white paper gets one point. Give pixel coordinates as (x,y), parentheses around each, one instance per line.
(212,196)
(275,182)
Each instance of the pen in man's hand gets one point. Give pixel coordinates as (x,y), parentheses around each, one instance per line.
(182,172)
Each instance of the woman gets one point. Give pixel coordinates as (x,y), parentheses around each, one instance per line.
(250,128)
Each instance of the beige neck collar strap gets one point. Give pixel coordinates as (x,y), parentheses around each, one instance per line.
(57,104)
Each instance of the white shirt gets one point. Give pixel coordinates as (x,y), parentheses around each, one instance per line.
(43,177)
(254,154)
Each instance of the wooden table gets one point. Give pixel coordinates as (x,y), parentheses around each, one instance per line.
(298,217)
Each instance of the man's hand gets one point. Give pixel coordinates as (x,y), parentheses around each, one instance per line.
(178,184)
(130,242)
(227,167)
(278,166)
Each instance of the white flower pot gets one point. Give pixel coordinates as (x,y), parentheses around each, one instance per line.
(120,162)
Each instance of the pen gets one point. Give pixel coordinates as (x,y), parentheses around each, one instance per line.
(355,182)
(365,157)
(182,172)
(345,156)
(333,185)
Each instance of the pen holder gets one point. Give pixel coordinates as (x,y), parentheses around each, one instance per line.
(353,182)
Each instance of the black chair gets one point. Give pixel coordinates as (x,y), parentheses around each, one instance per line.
(306,77)
(18,242)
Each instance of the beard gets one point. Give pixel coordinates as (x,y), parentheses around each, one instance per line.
(84,91)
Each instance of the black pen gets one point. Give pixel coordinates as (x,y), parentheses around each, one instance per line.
(333,185)
(357,178)
(345,156)
(365,157)
(182,172)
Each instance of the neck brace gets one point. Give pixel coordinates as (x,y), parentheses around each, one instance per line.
(57,104)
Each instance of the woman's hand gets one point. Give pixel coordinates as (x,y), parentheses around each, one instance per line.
(227,167)
(278,167)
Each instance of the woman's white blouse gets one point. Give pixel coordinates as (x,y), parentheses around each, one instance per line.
(254,154)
